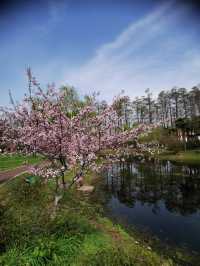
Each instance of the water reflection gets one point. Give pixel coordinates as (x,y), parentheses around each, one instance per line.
(162,197)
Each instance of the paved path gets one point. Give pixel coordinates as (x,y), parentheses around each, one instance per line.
(8,174)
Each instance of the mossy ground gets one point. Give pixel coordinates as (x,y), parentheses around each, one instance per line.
(77,234)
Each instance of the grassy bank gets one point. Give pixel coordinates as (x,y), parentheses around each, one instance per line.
(188,157)
(8,162)
(31,233)
(175,148)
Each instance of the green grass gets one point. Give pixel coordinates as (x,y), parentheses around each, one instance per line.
(8,162)
(189,157)
(77,235)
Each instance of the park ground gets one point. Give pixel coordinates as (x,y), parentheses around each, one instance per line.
(188,157)
(33,232)
(174,150)
(12,161)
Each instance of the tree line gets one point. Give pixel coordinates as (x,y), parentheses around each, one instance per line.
(166,108)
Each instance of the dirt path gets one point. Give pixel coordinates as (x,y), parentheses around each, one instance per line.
(8,174)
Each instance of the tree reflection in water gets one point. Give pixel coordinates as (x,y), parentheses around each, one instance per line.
(159,197)
(175,185)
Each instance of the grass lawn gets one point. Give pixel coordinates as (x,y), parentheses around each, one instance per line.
(77,233)
(8,162)
(190,157)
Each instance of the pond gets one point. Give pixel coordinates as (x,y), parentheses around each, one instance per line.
(161,198)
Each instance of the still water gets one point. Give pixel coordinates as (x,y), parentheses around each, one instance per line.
(161,198)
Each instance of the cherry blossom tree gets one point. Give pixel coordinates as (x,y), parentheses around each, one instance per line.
(8,131)
(2,133)
(66,141)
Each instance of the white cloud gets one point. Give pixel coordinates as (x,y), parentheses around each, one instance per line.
(151,52)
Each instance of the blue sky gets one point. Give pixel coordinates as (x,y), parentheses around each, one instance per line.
(104,46)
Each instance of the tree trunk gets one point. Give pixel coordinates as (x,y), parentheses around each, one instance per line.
(63,180)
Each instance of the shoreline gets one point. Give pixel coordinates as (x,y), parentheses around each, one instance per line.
(190,157)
